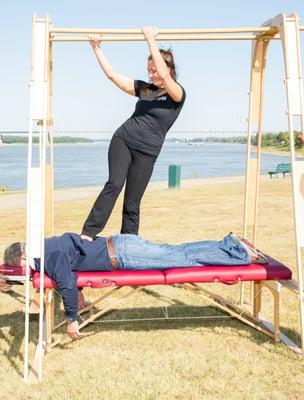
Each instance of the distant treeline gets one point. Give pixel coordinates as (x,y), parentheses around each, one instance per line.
(278,140)
(12,139)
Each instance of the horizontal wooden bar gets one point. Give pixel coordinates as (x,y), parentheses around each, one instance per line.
(261,29)
(159,38)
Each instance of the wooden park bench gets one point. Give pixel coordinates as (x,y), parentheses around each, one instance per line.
(281,169)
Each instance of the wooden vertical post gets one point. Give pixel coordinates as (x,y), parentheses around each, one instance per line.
(50,166)
(256,95)
(257,303)
(290,38)
(276,316)
(49,314)
(39,111)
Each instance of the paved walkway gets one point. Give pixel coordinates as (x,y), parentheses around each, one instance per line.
(18,200)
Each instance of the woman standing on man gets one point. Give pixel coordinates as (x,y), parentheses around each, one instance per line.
(138,141)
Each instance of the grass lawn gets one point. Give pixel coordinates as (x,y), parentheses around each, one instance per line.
(190,359)
(8,192)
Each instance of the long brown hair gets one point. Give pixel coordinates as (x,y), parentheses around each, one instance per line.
(168,57)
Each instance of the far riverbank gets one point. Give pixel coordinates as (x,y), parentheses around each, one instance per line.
(274,151)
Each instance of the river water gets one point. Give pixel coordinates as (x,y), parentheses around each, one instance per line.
(86,164)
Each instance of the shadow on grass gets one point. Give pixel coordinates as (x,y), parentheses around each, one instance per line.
(292,334)
(17,296)
(14,335)
(161,296)
(139,319)
(174,317)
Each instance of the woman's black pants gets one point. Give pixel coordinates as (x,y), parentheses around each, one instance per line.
(125,165)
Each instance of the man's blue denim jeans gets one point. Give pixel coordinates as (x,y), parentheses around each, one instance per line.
(135,253)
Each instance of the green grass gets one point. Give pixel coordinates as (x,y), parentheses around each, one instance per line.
(6,192)
(191,359)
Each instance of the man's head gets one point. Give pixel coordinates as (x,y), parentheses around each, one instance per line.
(14,254)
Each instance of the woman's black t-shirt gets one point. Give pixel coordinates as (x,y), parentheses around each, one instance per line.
(154,114)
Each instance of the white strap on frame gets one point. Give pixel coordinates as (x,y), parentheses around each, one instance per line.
(38,82)
(34,245)
(298,172)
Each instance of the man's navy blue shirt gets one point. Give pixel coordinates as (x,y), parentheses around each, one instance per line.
(68,253)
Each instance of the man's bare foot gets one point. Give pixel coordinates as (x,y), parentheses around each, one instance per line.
(85,237)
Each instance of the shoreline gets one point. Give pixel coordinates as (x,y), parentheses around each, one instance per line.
(186,182)
(275,152)
(264,150)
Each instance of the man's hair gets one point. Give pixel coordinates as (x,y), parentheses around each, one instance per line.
(13,253)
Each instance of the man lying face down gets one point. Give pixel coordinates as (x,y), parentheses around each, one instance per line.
(67,254)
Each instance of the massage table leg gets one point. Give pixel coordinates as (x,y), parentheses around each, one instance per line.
(257,299)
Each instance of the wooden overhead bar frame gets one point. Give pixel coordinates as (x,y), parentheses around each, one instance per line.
(140,38)
(40,197)
(120,35)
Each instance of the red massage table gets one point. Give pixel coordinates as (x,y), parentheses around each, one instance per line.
(263,275)
(274,271)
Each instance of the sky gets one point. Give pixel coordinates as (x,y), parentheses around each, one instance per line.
(214,74)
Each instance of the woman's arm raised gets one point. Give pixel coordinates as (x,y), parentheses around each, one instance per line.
(172,88)
(124,83)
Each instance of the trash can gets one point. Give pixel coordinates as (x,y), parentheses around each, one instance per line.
(174,175)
